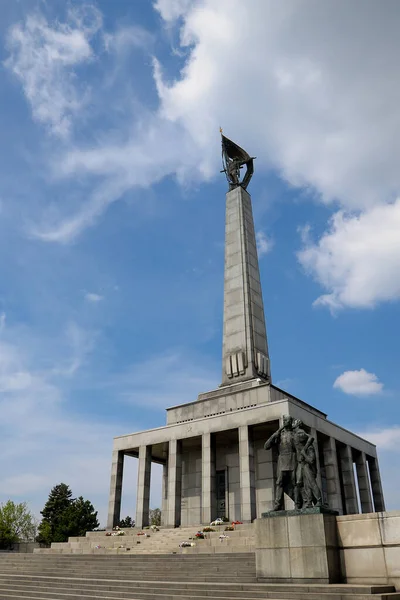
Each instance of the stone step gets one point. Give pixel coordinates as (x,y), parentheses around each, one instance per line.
(182,578)
(320,593)
(195,587)
(168,558)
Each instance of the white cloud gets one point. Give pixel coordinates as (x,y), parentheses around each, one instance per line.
(300,97)
(385,438)
(264,244)
(358,383)
(126,37)
(43,56)
(358,258)
(298,104)
(93,298)
(170,10)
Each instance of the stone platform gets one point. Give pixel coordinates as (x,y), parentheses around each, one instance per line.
(324,548)
(160,542)
(158,577)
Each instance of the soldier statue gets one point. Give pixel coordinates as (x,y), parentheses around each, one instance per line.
(307,491)
(286,471)
(296,470)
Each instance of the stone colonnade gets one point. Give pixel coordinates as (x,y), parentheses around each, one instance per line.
(349,479)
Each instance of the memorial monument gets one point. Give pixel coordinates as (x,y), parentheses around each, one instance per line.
(215,460)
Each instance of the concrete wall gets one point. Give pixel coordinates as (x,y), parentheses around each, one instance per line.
(370,548)
(219,402)
(23,547)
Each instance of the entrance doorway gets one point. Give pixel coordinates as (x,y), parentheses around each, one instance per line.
(221,492)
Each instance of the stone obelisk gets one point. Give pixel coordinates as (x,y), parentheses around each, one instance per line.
(245,347)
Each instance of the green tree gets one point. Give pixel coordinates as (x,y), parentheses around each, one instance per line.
(17,524)
(64,516)
(77,519)
(155,516)
(127,522)
(58,502)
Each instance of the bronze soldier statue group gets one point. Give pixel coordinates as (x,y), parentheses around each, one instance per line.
(297,466)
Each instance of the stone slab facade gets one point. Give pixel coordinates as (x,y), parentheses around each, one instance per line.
(297,549)
(369,546)
(361,549)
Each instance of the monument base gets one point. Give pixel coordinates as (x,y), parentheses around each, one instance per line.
(314,510)
(297,547)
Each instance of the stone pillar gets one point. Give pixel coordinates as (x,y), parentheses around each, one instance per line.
(297,549)
(164,493)
(363,484)
(174,484)
(314,433)
(247,475)
(143,487)
(376,484)
(332,476)
(114,504)
(207,479)
(349,483)
(245,348)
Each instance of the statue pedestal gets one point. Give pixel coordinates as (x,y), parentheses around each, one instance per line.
(297,547)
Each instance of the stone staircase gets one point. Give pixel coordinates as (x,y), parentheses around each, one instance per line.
(160,542)
(158,577)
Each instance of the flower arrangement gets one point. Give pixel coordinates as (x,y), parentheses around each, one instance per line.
(208,529)
(154,528)
(229,528)
(218,521)
(200,535)
(236,523)
(118,533)
(223,537)
(186,544)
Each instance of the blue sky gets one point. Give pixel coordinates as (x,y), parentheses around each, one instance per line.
(112,219)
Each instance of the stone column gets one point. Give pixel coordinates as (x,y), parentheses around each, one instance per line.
(332,476)
(164,493)
(143,487)
(245,348)
(363,484)
(174,484)
(114,504)
(314,433)
(207,479)
(247,475)
(349,483)
(376,484)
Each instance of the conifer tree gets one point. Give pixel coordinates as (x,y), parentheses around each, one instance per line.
(64,516)
(58,502)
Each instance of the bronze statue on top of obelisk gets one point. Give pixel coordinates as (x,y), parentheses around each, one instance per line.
(235,158)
